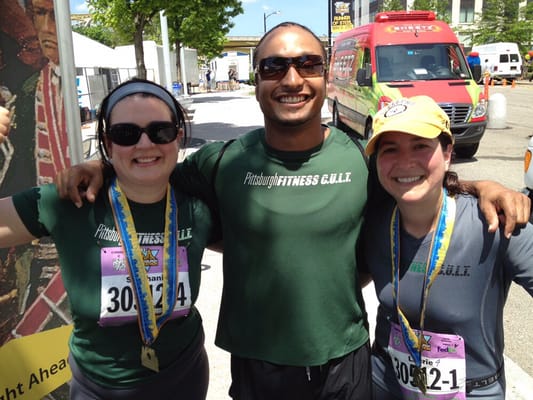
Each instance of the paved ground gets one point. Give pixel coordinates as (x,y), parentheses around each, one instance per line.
(217,116)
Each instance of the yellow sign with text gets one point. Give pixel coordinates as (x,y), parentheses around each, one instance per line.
(33,366)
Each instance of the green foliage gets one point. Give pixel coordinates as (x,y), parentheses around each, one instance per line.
(202,24)
(199,24)
(440,7)
(391,5)
(128,19)
(98,33)
(504,21)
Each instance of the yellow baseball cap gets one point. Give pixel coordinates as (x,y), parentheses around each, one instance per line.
(417,115)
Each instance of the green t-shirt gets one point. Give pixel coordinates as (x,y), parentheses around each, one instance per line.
(290,222)
(110,354)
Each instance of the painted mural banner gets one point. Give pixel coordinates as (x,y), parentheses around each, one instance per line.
(33,374)
(34,314)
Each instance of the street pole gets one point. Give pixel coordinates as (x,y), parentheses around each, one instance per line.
(265,16)
(329,32)
(166,49)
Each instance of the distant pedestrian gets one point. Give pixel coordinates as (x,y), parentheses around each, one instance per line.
(208,79)
(232,76)
(473,60)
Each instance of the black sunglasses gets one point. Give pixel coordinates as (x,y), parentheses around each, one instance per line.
(275,68)
(159,132)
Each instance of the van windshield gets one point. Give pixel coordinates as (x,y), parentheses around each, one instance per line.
(415,62)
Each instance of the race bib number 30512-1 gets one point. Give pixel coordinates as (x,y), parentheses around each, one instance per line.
(443,360)
(117,296)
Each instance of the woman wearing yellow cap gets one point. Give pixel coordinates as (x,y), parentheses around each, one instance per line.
(441,278)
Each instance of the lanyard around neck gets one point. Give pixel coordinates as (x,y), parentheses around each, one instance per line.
(437,253)
(149,322)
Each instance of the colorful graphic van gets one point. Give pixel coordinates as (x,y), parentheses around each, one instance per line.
(404,54)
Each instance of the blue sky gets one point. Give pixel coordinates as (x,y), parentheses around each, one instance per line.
(312,13)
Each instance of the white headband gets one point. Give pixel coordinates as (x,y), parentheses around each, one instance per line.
(140,87)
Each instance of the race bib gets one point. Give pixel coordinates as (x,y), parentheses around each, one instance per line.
(443,359)
(117,297)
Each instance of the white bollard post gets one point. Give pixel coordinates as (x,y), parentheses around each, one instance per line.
(497,112)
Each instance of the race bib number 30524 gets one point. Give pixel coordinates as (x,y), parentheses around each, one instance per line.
(443,360)
(117,296)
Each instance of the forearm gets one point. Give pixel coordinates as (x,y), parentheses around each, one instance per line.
(13,232)
(473,187)
(499,203)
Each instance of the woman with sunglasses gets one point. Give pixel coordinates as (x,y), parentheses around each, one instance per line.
(130,261)
(441,278)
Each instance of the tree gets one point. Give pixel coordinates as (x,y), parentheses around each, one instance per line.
(504,21)
(98,33)
(195,23)
(440,7)
(391,5)
(201,24)
(128,19)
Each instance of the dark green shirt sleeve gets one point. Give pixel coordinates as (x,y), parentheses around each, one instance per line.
(194,175)
(27,205)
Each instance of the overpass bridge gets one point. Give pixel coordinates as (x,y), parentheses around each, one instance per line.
(239,46)
(248,43)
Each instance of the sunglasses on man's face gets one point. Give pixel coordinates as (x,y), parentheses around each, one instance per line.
(275,68)
(159,132)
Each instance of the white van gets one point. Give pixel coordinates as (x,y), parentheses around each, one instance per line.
(502,60)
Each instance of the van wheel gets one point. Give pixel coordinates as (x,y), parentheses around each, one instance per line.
(368,129)
(466,151)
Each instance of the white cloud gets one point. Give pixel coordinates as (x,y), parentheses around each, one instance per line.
(78,7)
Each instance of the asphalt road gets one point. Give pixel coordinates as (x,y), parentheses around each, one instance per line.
(221,116)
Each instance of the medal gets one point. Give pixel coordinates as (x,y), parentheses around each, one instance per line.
(149,321)
(420,379)
(149,358)
(439,246)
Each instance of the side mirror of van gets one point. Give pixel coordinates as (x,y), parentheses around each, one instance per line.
(364,77)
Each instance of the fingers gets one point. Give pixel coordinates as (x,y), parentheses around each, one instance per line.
(5,121)
(94,186)
(491,215)
(80,181)
(510,224)
(525,210)
(66,189)
(503,207)
(516,209)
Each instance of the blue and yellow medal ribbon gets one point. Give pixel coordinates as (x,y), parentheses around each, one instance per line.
(149,321)
(437,253)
